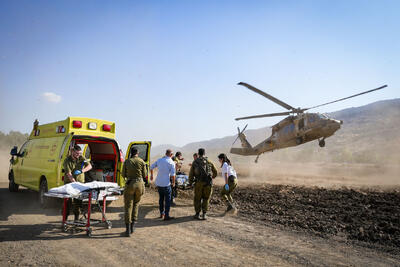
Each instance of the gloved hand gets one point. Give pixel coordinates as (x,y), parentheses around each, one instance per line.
(77,172)
(227,187)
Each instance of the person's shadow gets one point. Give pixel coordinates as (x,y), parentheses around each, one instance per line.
(144,219)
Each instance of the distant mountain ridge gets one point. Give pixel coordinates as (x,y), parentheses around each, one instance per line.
(367,134)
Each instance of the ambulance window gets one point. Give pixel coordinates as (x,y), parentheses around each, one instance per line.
(87,152)
(142,149)
(23,147)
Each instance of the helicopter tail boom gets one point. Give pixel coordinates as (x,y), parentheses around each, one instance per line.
(246,149)
(243,151)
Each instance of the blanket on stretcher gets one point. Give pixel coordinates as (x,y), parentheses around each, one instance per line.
(81,190)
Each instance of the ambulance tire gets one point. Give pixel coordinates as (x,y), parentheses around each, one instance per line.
(43,200)
(12,186)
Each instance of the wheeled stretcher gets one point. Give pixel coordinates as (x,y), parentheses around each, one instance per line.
(99,192)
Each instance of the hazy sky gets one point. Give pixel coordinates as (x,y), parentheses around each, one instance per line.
(166,71)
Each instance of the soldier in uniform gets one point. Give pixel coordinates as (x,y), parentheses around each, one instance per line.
(75,165)
(202,172)
(135,172)
(195,156)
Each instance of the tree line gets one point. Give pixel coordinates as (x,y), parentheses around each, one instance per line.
(13,138)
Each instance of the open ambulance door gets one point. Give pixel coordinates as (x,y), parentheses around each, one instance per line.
(143,148)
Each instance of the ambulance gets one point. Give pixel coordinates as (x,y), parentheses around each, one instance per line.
(38,164)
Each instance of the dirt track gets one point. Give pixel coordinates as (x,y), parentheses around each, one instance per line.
(32,236)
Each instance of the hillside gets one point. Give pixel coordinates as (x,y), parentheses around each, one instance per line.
(369,134)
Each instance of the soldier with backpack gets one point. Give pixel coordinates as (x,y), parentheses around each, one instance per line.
(202,172)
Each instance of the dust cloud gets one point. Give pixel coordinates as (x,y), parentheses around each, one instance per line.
(331,175)
(4,165)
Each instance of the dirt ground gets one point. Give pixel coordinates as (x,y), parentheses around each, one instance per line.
(31,236)
(277,225)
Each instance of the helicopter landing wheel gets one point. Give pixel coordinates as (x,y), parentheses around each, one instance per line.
(321,143)
(299,140)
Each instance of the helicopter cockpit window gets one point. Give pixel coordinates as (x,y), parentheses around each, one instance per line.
(288,128)
(322,116)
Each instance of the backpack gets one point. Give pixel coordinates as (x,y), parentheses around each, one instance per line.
(203,170)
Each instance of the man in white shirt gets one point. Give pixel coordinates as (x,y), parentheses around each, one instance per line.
(165,176)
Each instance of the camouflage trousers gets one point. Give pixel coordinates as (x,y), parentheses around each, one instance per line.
(226,194)
(202,195)
(132,195)
(76,206)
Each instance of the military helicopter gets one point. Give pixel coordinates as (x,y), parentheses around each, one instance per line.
(296,129)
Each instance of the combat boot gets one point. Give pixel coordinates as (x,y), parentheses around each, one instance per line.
(229,208)
(204,216)
(197,216)
(127,232)
(131,228)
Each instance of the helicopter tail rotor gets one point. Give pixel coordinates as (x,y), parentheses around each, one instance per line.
(239,133)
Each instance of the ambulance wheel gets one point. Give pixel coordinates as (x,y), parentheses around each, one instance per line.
(12,186)
(43,200)
(89,232)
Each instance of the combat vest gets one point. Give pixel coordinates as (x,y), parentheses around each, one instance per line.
(203,170)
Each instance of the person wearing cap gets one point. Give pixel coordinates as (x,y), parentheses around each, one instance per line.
(165,178)
(75,166)
(202,172)
(134,170)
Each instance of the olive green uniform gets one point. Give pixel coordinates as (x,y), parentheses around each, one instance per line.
(226,194)
(178,164)
(174,189)
(202,184)
(71,165)
(134,170)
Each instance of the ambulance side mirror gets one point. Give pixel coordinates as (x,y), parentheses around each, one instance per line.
(14,151)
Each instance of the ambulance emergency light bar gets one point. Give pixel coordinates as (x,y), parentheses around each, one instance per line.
(91,126)
(76,125)
(106,127)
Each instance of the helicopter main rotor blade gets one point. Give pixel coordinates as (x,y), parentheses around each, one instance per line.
(270,97)
(366,92)
(264,115)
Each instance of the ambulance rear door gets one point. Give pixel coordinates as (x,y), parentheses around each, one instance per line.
(143,148)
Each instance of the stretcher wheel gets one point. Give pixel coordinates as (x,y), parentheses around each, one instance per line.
(109,225)
(64,227)
(89,232)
